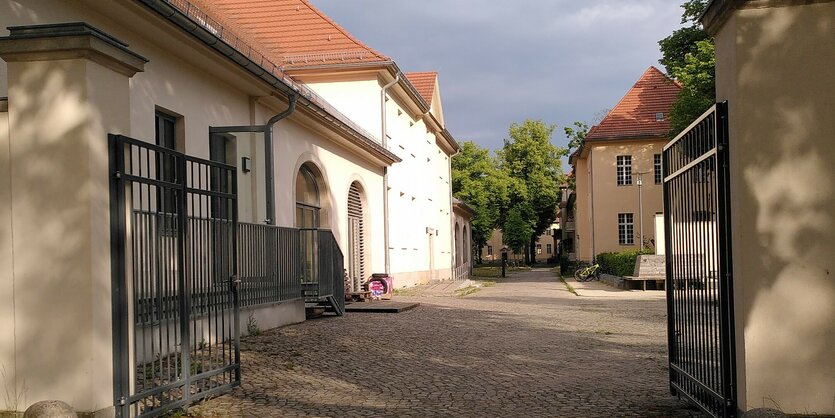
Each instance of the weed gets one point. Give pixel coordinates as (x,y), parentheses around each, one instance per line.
(569,287)
(13,394)
(290,365)
(252,325)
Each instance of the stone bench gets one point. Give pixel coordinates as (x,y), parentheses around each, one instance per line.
(629,281)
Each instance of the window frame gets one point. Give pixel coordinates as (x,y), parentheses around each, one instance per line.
(656,168)
(626,229)
(623,170)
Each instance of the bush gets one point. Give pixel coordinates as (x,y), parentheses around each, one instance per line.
(619,264)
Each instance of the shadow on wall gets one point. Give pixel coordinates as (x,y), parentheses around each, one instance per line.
(783,194)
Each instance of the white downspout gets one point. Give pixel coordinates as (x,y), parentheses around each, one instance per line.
(384,141)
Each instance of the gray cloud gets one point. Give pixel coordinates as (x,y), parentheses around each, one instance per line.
(505,61)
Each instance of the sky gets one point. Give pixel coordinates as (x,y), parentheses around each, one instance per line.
(501,62)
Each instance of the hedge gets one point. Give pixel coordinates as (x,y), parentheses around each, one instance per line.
(619,264)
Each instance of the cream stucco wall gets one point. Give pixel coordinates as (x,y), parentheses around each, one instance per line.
(56,291)
(775,68)
(600,199)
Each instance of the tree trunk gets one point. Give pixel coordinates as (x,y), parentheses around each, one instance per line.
(532,249)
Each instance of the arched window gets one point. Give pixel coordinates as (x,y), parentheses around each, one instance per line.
(307,200)
(307,220)
(356,237)
(465,245)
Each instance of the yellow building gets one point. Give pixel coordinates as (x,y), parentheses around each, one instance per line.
(618,171)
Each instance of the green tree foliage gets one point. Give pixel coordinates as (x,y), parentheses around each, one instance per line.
(478,182)
(516,230)
(576,135)
(532,163)
(688,56)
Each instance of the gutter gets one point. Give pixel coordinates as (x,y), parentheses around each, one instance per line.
(384,139)
(212,36)
(269,157)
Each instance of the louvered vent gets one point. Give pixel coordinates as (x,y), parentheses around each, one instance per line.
(356,237)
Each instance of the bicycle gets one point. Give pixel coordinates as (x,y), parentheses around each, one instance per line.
(587,274)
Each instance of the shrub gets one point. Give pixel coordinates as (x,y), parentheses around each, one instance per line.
(619,264)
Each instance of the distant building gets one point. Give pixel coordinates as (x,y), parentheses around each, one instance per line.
(546,246)
(618,170)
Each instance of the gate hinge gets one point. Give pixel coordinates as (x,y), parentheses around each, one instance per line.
(117,174)
(121,401)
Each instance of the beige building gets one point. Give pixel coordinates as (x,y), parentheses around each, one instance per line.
(774,66)
(546,247)
(618,171)
(205,101)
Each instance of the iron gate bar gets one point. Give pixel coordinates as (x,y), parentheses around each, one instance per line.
(184,280)
(699,281)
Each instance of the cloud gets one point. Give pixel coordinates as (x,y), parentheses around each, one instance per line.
(503,62)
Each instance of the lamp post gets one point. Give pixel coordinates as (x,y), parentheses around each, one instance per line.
(504,260)
(641,207)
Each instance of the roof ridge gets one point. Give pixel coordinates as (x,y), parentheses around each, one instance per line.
(344,31)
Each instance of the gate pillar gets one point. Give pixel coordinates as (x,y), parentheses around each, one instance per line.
(68,87)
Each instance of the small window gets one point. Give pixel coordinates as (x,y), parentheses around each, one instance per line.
(539,248)
(489,250)
(624,170)
(656,160)
(626,229)
(659,116)
(548,248)
(166,137)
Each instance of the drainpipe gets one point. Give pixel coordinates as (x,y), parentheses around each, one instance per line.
(452,217)
(269,158)
(386,173)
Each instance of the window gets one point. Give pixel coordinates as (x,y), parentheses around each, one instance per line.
(220,150)
(626,229)
(539,248)
(624,170)
(656,161)
(489,250)
(547,248)
(659,116)
(166,170)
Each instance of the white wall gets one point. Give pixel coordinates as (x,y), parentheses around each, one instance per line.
(419,188)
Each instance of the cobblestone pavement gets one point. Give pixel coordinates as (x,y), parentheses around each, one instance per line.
(525,347)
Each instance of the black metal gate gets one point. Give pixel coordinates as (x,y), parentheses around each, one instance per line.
(699,281)
(175,310)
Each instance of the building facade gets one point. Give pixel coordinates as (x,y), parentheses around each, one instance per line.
(182,78)
(618,171)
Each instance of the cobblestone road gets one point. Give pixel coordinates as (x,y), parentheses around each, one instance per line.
(525,347)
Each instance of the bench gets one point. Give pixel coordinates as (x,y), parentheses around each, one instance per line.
(659,281)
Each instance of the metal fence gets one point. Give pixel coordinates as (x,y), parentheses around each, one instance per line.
(463,271)
(699,281)
(269,266)
(173,246)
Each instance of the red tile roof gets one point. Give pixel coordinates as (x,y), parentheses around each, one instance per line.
(635,115)
(296,32)
(424,83)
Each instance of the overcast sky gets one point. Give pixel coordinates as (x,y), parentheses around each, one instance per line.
(505,61)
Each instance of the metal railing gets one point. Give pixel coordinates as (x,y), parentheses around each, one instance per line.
(269,266)
(698,254)
(463,271)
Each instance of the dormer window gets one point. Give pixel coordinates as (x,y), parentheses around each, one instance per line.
(659,116)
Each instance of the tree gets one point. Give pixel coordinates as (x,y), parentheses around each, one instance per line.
(478,182)
(516,230)
(532,163)
(688,56)
(576,136)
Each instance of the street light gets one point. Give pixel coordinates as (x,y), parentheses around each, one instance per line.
(504,260)
(641,206)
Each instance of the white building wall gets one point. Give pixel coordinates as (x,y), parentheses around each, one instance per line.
(419,188)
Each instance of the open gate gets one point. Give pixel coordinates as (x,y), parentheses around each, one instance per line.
(175,301)
(699,281)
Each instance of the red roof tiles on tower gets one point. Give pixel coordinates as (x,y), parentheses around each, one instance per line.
(637,113)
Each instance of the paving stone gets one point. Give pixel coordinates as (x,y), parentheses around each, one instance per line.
(524,347)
